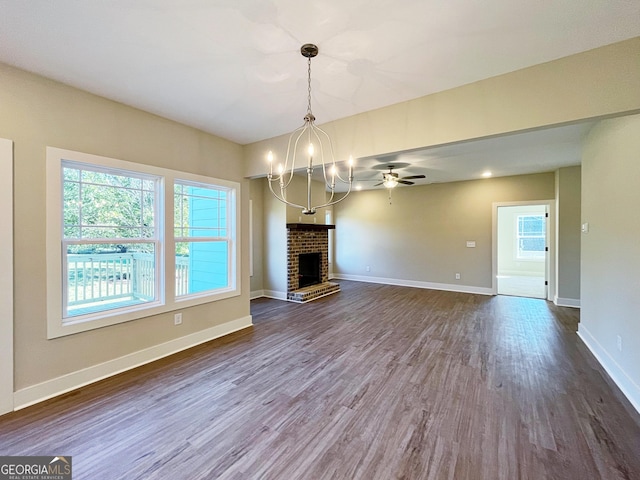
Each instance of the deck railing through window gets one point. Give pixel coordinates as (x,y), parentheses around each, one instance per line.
(101,277)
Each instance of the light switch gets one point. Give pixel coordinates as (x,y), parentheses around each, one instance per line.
(471,244)
(585,227)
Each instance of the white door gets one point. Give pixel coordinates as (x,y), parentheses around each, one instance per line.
(6,276)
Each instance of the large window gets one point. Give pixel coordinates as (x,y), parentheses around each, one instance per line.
(118,249)
(110,239)
(531,237)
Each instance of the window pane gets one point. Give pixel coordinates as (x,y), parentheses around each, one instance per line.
(106,205)
(200,211)
(102,276)
(532,244)
(201,266)
(531,225)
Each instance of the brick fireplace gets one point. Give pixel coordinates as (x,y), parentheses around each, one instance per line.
(303,239)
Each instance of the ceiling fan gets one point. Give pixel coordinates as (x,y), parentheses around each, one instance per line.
(391,179)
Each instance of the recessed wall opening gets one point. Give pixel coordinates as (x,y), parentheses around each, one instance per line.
(522,250)
(309,269)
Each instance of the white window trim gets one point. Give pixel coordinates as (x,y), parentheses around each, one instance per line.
(55,326)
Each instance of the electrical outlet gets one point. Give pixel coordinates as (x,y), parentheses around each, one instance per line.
(619,343)
(177,319)
(368,268)
(457,276)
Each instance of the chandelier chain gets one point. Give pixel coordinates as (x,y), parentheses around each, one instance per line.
(309,85)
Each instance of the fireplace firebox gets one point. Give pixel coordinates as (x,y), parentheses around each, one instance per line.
(309,269)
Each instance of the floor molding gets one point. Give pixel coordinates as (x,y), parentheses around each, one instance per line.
(567,302)
(615,371)
(275,294)
(66,383)
(416,284)
(256,294)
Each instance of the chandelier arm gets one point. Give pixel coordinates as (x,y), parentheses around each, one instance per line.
(299,131)
(328,138)
(335,201)
(286,170)
(283,200)
(314,130)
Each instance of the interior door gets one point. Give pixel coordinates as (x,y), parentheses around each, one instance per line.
(6,276)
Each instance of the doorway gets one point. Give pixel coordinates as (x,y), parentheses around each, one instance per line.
(521,256)
(6,276)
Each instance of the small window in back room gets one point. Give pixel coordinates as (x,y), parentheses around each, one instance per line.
(531,236)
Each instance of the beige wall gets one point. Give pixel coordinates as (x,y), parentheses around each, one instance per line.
(275,245)
(36,113)
(610,261)
(421,236)
(257,231)
(568,193)
(597,83)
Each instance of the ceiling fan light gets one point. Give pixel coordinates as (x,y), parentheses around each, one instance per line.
(390,181)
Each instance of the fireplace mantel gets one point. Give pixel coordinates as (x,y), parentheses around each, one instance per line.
(309,226)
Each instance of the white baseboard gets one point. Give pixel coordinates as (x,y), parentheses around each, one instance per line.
(256,294)
(57,386)
(566,302)
(417,284)
(275,294)
(615,371)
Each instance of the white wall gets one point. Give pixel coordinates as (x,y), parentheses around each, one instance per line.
(508,261)
(610,260)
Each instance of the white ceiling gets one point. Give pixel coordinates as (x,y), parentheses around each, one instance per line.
(233,67)
(517,154)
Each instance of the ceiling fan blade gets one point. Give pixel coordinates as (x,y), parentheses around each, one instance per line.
(404,182)
(377,184)
(390,166)
(411,177)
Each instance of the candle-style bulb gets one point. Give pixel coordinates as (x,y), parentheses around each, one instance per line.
(311,149)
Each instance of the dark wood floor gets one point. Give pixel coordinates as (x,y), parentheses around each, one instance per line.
(376,382)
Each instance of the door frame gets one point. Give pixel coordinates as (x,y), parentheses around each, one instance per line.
(550,266)
(6,277)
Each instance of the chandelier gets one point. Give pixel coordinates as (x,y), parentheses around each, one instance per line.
(309,143)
